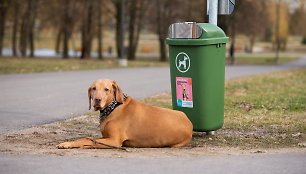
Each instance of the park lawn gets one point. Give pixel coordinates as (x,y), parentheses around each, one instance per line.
(10,65)
(262,60)
(13,65)
(262,111)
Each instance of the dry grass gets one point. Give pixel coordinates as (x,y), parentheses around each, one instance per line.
(263,111)
(9,65)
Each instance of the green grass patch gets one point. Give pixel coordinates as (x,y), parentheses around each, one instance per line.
(9,65)
(262,111)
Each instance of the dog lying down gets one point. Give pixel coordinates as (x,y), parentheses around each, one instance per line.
(131,123)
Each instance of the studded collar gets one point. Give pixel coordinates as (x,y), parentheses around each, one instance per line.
(110,108)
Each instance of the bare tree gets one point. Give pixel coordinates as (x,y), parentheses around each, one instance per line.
(118,16)
(26,29)
(165,13)
(3,11)
(252,19)
(16,8)
(298,20)
(33,9)
(87,29)
(232,21)
(99,27)
(161,8)
(66,27)
(277,31)
(137,9)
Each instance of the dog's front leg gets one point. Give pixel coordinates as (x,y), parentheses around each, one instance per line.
(91,143)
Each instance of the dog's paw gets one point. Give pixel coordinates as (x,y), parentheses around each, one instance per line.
(66,145)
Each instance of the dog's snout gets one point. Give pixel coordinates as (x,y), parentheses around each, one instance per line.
(98,99)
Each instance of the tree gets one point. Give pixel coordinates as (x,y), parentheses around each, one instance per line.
(118,19)
(137,9)
(27,27)
(16,8)
(62,16)
(233,29)
(165,15)
(229,25)
(252,17)
(99,28)
(87,28)
(3,11)
(33,12)
(165,12)
(297,20)
(66,27)
(279,18)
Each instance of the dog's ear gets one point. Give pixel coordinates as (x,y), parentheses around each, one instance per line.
(89,97)
(118,93)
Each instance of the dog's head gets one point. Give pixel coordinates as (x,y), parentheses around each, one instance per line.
(102,92)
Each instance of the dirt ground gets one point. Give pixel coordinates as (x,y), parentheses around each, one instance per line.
(42,140)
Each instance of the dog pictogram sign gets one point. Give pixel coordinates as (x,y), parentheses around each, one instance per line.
(182,62)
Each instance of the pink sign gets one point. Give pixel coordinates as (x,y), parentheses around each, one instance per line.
(184,92)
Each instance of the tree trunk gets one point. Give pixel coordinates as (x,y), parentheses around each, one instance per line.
(66,29)
(24,31)
(31,40)
(33,9)
(162,48)
(133,10)
(137,10)
(87,30)
(23,38)
(276,60)
(15,28)
(233,32)
(3,9)
(100,29)
(118,23)
(58,41)
(252,42)
(160,31)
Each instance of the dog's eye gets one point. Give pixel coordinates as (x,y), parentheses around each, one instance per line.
(94,88)
(106,89)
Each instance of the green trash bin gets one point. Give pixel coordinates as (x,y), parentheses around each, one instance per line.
(197,63)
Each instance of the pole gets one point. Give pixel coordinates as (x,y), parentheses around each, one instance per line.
(212,19)
(212,11)
(122,60)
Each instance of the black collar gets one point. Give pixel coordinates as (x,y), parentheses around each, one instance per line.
(109,109)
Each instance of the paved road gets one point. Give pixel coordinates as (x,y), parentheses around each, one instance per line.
(243,164)
(31,99)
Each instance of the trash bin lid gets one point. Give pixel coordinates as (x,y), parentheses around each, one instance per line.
(191,33)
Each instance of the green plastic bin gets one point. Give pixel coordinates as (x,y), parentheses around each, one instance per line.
(197,63)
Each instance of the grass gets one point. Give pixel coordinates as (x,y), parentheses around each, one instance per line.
(265,60)
(263,111)
(10,65)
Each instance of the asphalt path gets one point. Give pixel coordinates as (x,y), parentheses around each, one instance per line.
(243,164)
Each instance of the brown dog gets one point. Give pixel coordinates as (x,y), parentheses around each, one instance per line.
(130,123)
